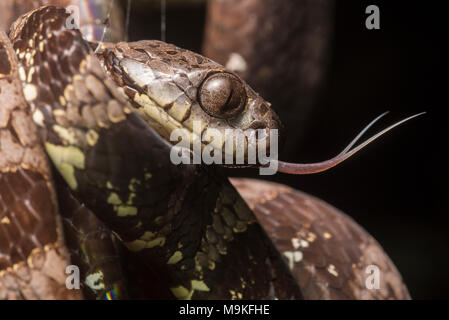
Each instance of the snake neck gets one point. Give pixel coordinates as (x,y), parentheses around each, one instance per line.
(209,245)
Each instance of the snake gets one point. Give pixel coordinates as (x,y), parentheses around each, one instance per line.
(87,180)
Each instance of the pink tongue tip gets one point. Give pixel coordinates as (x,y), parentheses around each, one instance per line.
(310,168)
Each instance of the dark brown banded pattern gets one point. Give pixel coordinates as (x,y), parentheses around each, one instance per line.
(92,245)
(100,255)
(33,258)
(327,251)
(6,65)
(93,248)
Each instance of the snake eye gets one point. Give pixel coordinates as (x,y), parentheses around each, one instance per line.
(222,95)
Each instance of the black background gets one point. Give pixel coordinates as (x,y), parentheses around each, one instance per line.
(396,188)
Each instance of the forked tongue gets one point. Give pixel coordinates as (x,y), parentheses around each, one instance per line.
(309,168)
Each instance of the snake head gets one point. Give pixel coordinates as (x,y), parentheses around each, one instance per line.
(181,93)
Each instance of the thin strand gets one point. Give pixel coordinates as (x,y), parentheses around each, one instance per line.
(163,20)
(105,26)
(309,168)
(354,141)
(128,14)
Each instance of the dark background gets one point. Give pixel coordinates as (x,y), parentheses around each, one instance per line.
(396,188)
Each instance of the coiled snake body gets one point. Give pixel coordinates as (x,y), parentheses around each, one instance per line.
(187,231)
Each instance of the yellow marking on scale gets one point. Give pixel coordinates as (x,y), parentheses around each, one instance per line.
(59,112)
(156,113)
(66,159)
(175,258)
(114,112)
(235,295)
(147,240)
(311,237)
(30,74)
(22,74)
(332,270)
(95,280)
(83,66)
(114,199)
(34,252)
(240,227)
(148,235)
(62,101)
(159,219)
(182,293)
(5,220)
(68,89)
(28,57)
(156,242)
(30,92)
(123,211)
(92,137)
(179,109)
(242,280)
(132,184)
(131,197)
(199,285)
(67,135)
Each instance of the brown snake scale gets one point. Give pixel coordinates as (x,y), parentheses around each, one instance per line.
(335,251)
(155,230)
(32,257)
